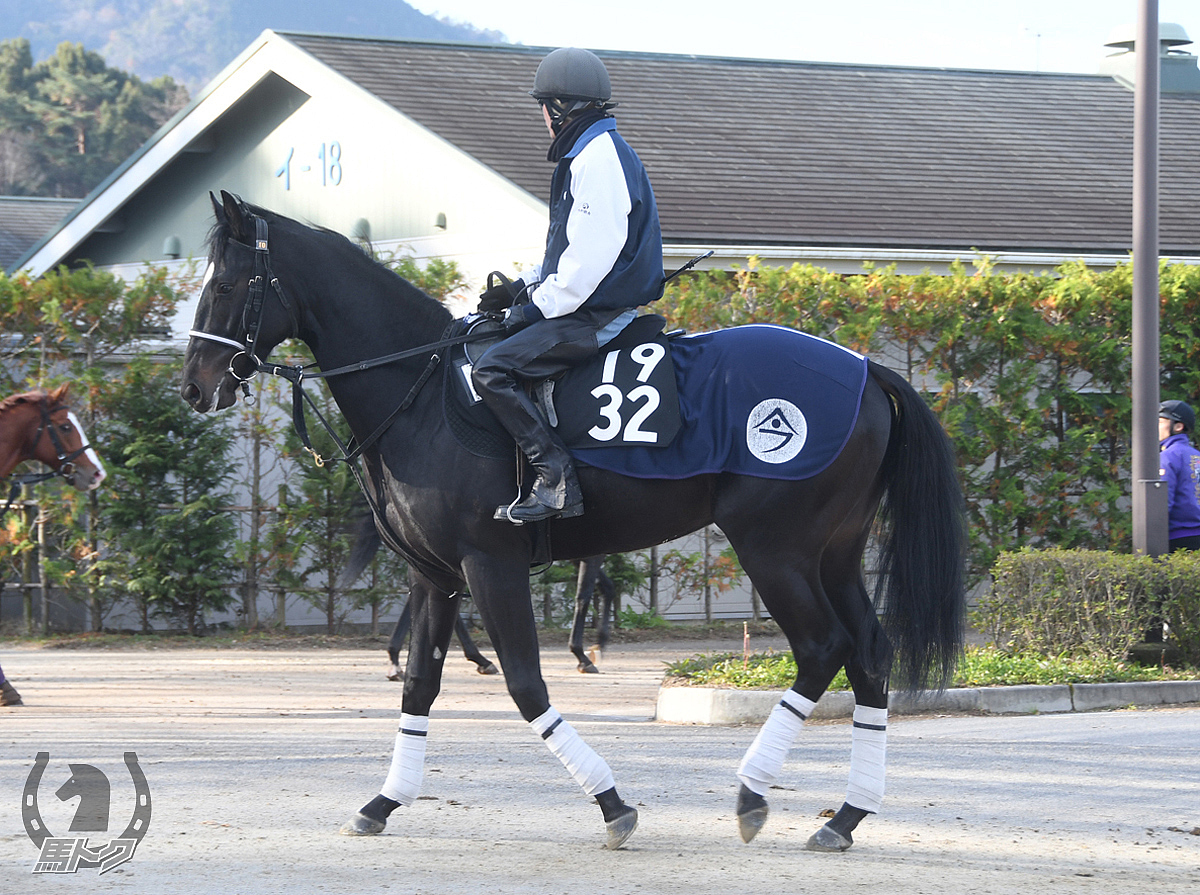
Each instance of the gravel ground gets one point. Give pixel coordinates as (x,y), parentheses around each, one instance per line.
(255,757)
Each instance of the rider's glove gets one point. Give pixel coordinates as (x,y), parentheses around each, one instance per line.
(499,296)
(520,316)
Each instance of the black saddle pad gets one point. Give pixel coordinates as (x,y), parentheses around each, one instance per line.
(626,395)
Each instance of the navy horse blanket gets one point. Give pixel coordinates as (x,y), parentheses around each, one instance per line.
(757,400)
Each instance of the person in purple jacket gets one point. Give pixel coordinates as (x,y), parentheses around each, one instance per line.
(1180,467)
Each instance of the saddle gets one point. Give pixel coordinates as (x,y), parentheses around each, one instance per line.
(626,395)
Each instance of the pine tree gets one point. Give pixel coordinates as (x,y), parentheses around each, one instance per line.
(69,120)
(170,537)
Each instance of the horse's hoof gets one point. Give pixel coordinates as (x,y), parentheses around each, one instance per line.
(752,813)
(489,668)
(361,825)
(828,839)
(589,668)
(621,828)
(396,673)
(9,694)
(751,822)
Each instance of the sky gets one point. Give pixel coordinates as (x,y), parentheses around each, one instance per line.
(1026,35)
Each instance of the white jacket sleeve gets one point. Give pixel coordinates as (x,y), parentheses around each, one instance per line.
(597,228)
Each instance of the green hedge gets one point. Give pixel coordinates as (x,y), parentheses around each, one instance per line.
(1091,603)
(1029,374)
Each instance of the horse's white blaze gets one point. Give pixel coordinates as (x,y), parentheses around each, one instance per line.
(101,475)
(764,759)
(403,782)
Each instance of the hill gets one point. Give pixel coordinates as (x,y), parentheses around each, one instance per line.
(194,40)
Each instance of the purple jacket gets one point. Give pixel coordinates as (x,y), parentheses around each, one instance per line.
(1180,466)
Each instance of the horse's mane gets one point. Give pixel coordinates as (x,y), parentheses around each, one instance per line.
(221,231)
(37,396)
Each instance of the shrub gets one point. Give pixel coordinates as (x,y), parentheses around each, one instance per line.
(1091,603)
(1180,591)
(631,618)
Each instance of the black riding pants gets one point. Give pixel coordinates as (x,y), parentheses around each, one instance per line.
(539,351)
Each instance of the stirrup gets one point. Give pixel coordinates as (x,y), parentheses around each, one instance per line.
(504,513)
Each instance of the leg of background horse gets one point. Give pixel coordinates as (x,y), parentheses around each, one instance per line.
(433,623)
(605,609)
(501,590)
(8,693)
(395,672)
(470,650)
(585,585)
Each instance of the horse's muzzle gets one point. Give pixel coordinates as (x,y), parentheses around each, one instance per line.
(203,399)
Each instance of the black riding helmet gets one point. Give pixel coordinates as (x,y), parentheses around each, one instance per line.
(570,79)
(1179,412)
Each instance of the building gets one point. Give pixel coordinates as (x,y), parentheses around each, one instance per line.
(24,221)
(437,148)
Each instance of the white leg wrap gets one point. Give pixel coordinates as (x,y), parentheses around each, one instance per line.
(581,761)
(764,759)
(868,758)
(403,782)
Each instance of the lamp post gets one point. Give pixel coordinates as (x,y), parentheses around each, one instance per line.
(1149,491)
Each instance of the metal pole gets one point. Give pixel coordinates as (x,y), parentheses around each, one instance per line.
(1149,492)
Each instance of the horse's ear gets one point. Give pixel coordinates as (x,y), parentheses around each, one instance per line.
(218,210)
(59,395)
(235,215)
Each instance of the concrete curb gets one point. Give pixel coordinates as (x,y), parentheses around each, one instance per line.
(704,705)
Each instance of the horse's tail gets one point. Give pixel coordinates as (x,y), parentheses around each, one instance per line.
(365,545)
(922,541)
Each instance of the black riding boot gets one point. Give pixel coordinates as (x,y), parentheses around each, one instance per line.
(555,490)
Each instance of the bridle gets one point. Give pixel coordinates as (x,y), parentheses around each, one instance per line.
(352,449)
(247,355)
(64,458)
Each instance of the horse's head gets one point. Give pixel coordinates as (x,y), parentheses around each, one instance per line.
(54,436)
(241,315)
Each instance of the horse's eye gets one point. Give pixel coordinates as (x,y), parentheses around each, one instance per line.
(225,288)
(65,427)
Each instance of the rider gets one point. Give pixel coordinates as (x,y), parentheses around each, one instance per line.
(603,259)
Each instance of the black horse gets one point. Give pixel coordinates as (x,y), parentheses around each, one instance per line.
(801,542)
(483,664)
(590,576)
(366,545)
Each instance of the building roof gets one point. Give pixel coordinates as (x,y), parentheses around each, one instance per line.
(25,220)
(773,152)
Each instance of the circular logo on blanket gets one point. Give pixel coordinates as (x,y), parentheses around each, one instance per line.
(776,430)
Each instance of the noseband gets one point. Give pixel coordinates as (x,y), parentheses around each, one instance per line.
(252,314)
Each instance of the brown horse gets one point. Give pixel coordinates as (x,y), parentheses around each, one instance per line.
(40,426)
